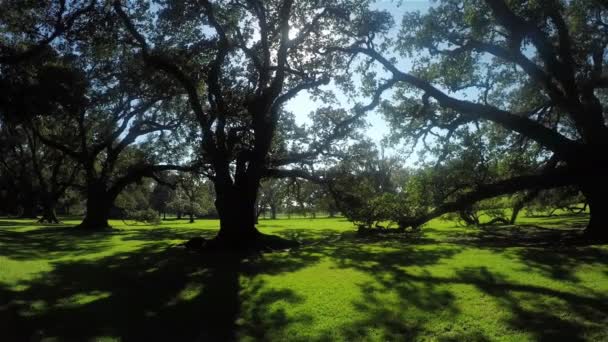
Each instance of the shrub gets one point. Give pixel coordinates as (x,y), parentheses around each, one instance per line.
(148,216)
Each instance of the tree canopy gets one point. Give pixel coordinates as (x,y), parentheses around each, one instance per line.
(500,98)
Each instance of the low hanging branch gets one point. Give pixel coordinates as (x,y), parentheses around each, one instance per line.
(554,178)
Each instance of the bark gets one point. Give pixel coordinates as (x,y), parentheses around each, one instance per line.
(519,205)
(48,213)
(99,203)
(516,209)
(191,217)
(597,198)
(237,216)
(469,216)
(273,212)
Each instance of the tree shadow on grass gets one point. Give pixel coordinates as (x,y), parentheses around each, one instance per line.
(155,234)
(561,263)
(544,313)
(159,293)
(154,293)
(547,314)
(24,223)
(554,252)
(48,242)
(504,236)
(541,310)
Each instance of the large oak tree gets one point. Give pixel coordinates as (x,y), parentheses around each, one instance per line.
(238,63)
(536,69)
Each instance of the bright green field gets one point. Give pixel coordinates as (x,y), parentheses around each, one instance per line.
(451,284)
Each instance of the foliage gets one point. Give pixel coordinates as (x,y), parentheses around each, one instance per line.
(147,216)
(518,83)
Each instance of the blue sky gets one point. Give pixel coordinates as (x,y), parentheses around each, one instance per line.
(302,104)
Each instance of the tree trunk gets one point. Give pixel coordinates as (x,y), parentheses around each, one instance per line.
(469,217)
(99,203)
(48,212)
(237,217)
(516,209)
(597,197)
(521,203)
(273,211)
(191,217)
(28,208)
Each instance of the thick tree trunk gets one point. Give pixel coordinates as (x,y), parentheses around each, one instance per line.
(597,197)
(191,217)
(99,203)
(237,217)
(48,213)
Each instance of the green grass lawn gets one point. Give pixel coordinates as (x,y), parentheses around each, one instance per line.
(450,284)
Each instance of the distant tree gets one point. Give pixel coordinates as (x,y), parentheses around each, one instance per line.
(55,173)
(16,170)
(196,194)
(272,195)
(160,197)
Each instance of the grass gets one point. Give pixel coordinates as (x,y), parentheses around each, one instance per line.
(451,284)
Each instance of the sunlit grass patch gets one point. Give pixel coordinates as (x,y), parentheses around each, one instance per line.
(452,283)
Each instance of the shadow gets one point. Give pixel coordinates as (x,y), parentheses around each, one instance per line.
(532,312)
(561,263)
(563,230)
(154,234)
(398,266)
(151,294)
(259,320)
(514,236)
(52,241)
(25,223)
(156,292)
